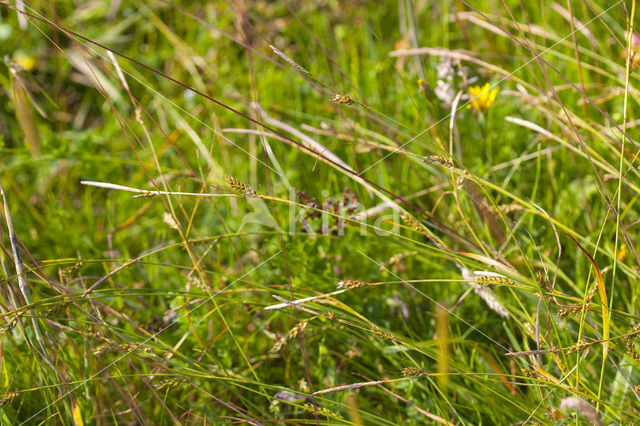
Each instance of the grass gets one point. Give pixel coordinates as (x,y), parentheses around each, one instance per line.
(295,212)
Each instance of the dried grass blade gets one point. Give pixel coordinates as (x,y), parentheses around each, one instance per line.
(15,248)
(25,115)
(603,298)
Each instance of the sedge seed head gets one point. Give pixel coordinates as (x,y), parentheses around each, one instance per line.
(342,99)
(350,284)
(239,187)
(413,372)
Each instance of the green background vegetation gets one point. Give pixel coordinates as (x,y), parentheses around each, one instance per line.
(151,309)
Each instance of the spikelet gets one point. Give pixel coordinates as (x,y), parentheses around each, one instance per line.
(491,278)
(292,334)
(413,223)
(635,330)
(485,294)
(396,259)
(240,187)
(352,353)
(542,280)
(570,310)
(71,271)
(322,411)
(629,341)
(297,329)
(396,262)
(440,160)
(94,332)
(413,372)
(342,99)
(279,344)
(102,349)
(529,330)
(385,335)
(170,383)
(55,311)
(193,281)
(11,323)
(580,346)
(594,291)
(7,398)
(554,415)
(351,284)
(560,362)
(125,347)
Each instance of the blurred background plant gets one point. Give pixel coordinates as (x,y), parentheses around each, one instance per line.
(456,265)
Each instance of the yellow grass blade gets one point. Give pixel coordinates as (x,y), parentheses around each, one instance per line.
(603,299)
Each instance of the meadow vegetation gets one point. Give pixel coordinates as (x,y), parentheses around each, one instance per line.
(319,212)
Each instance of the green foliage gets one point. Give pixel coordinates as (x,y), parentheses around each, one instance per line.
(175,183)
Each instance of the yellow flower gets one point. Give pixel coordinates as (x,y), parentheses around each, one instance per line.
(28,62)
(424,87)
(622,253)
(482,97)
